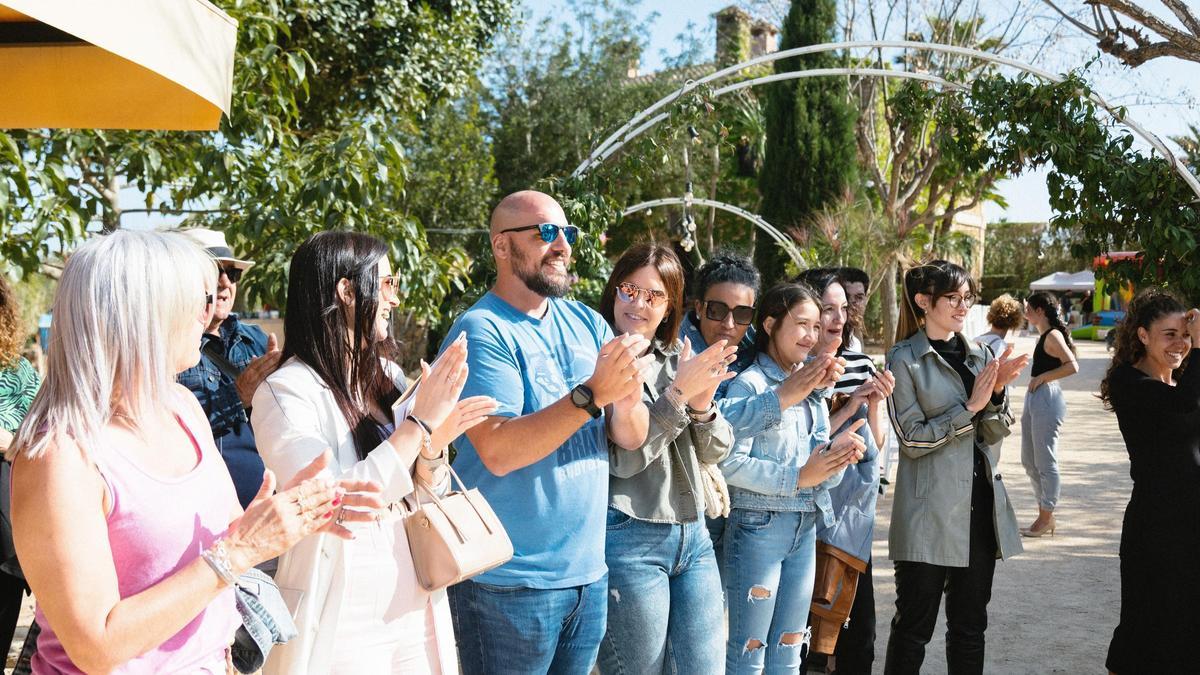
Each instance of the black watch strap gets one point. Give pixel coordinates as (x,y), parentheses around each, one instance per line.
(583,399)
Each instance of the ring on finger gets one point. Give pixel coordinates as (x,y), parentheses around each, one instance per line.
(341,515)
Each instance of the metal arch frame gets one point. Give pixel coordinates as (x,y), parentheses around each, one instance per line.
(780,238)
(635,126)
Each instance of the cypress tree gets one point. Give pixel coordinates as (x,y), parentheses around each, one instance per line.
(811,158)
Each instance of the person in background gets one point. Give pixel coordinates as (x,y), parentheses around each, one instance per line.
(951,517)
(859,394)
(665,613)
(565,387)
(234,358)
(359,607)
(1045,407)
(125,520)
(19,383)
(1005,315)
(779,482)
(857,284)
(1153,386)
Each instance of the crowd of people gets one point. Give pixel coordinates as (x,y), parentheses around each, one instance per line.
(689,485)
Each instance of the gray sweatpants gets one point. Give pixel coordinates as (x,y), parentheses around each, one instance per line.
(1045,410)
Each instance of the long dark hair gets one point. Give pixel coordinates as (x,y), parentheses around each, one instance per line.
(1046,302)
(935,279)
(1147,307)
(666,263)
(775,304)
(317,325)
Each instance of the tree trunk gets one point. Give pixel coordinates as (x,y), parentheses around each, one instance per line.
(112,215)
(889,309)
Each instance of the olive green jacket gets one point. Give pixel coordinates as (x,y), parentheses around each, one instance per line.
(931,516)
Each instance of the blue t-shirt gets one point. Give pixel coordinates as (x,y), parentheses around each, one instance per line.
(554,510)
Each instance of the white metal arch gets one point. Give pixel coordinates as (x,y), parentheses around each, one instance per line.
(786,242)
(637,125)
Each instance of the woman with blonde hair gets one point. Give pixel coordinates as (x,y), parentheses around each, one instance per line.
(124,516)
(1005,315)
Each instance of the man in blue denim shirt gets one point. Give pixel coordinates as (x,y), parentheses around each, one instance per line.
(247,348)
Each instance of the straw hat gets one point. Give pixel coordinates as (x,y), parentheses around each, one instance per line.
(214,242)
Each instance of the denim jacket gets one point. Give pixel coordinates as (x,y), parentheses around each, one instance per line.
(854,499)
(216,391)
(748,415)
(762,470)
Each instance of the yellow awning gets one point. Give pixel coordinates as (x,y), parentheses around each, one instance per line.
(115,64)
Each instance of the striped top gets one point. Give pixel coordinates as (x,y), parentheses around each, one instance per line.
(859,369)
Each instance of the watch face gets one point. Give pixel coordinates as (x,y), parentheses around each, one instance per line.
(580,397)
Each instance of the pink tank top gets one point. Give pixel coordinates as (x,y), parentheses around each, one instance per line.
(156,527)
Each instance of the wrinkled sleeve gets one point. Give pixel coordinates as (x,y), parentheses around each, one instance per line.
(745,471)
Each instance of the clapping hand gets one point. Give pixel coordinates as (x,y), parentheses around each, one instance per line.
(1008,368)
(699,375)
(256,371)
(845,449)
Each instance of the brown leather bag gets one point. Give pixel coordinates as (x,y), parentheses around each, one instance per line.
(833,595)
(455,537)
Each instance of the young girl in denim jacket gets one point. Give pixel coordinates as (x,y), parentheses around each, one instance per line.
(778,482)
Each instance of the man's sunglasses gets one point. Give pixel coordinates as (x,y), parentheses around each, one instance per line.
(549,232)
(234,273)
(628,292)
(715,310)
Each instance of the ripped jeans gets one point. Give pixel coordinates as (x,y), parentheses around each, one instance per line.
(770,565)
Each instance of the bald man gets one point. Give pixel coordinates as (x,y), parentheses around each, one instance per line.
(565,386)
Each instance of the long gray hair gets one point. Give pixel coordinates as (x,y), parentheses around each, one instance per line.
(122,303)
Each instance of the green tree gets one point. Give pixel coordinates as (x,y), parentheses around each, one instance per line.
(330,101)
(1021,253)
(810,155)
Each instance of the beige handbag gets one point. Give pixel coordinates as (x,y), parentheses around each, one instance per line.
(455,537)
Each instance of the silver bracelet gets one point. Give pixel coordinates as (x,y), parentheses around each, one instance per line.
(426,446)
(218,559)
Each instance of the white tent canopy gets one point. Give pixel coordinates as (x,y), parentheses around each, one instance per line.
(115,64)
(1082,282)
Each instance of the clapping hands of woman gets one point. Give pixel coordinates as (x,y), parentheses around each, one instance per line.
(436,401)
(700,375)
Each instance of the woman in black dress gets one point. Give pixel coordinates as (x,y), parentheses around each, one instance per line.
(1153,385)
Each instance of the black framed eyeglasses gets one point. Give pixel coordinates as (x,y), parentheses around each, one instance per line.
(715,310)
(234,273)
(549,231)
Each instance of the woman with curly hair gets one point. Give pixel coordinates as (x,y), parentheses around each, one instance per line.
(18,383)
(1153,386)
(1004,316)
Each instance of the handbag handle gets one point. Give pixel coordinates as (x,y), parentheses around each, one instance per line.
(422,485)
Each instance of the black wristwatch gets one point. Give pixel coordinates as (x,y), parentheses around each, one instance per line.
(583,399)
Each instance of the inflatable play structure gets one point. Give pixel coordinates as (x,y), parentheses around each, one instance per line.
(1108,300)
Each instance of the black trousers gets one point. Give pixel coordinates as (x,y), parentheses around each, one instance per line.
(919,589)
(855,651)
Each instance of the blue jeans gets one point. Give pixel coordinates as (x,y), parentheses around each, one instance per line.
(770,568)
(665,613)
(512,629)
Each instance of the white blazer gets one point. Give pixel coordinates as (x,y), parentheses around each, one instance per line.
(295,418)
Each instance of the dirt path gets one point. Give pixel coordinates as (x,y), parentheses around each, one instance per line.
(1054,606)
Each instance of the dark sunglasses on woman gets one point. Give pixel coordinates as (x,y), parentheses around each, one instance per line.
(715,310)
(549,232)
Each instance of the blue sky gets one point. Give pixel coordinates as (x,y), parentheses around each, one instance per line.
(1160,95)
